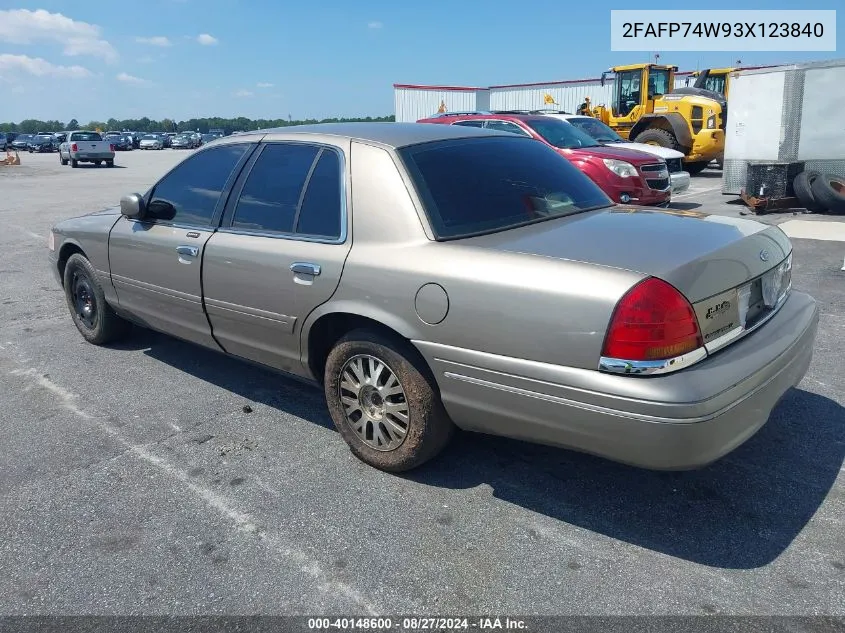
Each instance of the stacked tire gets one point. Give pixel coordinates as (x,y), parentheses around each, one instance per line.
(820,193)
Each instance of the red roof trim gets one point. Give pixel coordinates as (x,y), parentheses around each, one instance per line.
(452,88)
(567,82)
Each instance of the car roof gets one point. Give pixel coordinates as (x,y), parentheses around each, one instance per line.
(394,135)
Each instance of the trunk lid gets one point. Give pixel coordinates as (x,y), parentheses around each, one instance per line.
(700,254)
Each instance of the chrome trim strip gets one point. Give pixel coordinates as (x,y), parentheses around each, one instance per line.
(651,367)
(126,282)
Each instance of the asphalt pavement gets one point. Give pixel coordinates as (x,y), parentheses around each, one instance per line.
(155,477)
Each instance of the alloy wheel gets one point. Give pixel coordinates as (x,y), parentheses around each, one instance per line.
(374,402)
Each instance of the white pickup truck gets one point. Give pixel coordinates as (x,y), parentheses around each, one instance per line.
(83,146)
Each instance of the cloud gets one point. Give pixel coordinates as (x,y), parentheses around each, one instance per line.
(131,79)
(243,93)
(39,67)
(156,40)
(375,25)
(22,26)
(207,40)
(263,84)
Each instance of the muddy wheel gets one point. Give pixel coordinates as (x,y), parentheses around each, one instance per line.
(384,401)
(656,136)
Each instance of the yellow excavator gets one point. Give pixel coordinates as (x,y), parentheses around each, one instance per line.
(716,80)
(645,109)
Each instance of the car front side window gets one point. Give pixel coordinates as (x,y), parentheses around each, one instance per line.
(189,194)
(506,126)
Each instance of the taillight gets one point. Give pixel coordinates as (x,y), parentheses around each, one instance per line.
(653,321)
(111,148)
(74,147)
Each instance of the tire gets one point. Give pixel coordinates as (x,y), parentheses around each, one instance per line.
(74,163)
(92,316)
(98,162)
(428,428)
(656,136)
(829,191)
(802,185)
(63,161)
(696,167)
(110,163)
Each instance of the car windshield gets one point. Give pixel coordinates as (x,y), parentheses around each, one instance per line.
(560,134)
(475,186)
(85,136)
(596,129)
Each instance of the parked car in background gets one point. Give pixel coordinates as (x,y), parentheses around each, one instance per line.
(4,142)
(182,141)
(605,135)
(627,176)
(121,142)
(151,141)
(21,142)
(524,303)
(165,139)
(207,138)
(42,143)
(60,137)
(85,146)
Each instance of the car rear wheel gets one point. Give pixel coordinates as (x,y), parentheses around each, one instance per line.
(109,163)
(63,161)
(74,163)
(384,402)
(93,317)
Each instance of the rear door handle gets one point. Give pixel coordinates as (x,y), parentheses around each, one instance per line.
(304,268)
(189,251)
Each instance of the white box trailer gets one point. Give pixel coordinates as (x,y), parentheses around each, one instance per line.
(785,113)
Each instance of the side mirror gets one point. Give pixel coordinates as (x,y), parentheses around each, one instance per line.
(132,206)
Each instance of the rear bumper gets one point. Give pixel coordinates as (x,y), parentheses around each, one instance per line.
(670,422)
(84,157)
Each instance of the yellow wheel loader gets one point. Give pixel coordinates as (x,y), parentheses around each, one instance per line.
(645,109)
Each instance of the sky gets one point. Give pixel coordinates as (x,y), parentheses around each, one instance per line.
(96,59)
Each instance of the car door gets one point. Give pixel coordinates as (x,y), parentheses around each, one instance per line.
(155,262)
(279,252)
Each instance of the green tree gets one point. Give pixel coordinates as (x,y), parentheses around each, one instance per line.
(73,124)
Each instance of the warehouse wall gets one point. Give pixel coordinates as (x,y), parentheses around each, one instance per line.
(412,104)
(567,96)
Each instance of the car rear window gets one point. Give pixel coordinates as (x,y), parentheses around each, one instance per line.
(86,136)
(484,185)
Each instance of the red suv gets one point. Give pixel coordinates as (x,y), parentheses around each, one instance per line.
(626,175)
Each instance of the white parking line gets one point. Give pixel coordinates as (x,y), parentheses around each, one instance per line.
(695,192)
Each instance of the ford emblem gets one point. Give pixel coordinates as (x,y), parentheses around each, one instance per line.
(764,255)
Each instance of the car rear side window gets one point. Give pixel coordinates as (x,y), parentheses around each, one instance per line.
(473,123)
(320,213)
(272,191)
(475,186)
(189,194)
(506,126)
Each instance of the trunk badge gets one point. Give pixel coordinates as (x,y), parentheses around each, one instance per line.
(764,255)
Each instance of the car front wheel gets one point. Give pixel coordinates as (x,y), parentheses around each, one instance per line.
(384,402)
(93,317)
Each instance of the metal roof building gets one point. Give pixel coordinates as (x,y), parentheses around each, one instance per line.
(413,102)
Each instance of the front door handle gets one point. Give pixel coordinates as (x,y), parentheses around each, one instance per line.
(188,251)
(304,268)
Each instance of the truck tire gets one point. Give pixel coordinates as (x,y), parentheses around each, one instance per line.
(657,136)
(74,163)
(110,163)
(829,191)
(802,185)
(384,401)
(697,167)
(63,161)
